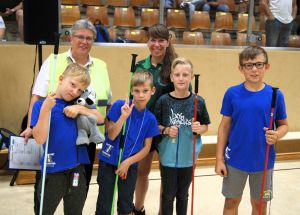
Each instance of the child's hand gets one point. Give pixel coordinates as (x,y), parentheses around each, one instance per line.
(220,168)
(49,102)
(196,127)
(123,168)
(72,111)
(126,109)
(173,131)
(271,136)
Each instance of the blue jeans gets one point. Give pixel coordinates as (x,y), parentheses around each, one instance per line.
(175,183)
(106,181)
(192,6)
(221,7)
(169,4)
(277,33)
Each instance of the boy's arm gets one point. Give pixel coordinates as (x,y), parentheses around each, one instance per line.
(40,130)
(223,133)
(114,128)
(122,170)
(72,111)
(272,136)
(28,131)
(198,128)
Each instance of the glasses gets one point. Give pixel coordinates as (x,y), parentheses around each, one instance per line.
(82,38)
(258,65)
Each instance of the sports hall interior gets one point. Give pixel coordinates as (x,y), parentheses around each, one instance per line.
(216,60)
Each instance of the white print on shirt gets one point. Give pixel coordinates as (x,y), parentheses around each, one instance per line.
(107,151)
(179,119)
(49,160)
(227,153)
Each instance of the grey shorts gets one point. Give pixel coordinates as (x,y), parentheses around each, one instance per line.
(234,183)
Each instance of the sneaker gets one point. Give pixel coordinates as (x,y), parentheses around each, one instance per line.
(139,212)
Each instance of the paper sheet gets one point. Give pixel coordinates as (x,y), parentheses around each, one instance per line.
(24,156)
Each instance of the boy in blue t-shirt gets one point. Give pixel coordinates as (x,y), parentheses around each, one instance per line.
(174,112)
(141,127)
(65,173)
(243,133)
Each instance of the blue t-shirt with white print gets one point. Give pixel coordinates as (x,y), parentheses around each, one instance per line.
(63,153)
(250,112)
(139,126)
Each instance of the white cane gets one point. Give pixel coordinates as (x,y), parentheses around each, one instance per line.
(56,45)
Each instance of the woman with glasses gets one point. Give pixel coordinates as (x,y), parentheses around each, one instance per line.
(159,64)
(82,38)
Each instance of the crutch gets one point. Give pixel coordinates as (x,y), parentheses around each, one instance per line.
(56,46)
(271,123)
(121,145)
(195,139)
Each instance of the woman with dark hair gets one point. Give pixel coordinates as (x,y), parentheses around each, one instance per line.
(159,64)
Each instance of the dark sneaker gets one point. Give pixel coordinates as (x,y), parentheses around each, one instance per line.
(139,212)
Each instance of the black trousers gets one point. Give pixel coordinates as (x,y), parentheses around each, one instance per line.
(69,186)
(89,167)
(88,173)
(175,184)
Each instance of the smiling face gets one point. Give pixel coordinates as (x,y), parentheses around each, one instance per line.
(81,42)
(254,69)
(158,47)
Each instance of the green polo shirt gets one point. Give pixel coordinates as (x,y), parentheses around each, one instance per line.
(160,87)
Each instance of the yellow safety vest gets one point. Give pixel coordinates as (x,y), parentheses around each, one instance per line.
(99,78)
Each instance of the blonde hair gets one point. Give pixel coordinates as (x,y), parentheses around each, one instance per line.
(181,61)
(141,77)
(75,70)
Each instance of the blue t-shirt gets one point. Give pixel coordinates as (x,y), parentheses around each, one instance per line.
(250,112)
(139,126)
(180,112)
(62,149)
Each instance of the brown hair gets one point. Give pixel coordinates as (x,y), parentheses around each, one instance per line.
(250,53)
(161,31)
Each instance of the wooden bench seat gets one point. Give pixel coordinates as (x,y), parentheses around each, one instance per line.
(288,148)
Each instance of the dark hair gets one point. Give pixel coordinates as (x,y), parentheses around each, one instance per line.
(251,52)
(161,31)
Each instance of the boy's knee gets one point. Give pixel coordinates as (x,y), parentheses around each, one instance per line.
(232,203)
(256,204)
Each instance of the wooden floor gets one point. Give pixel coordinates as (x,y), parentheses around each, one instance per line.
(18,199)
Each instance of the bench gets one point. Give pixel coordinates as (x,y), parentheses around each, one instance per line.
(288,148)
